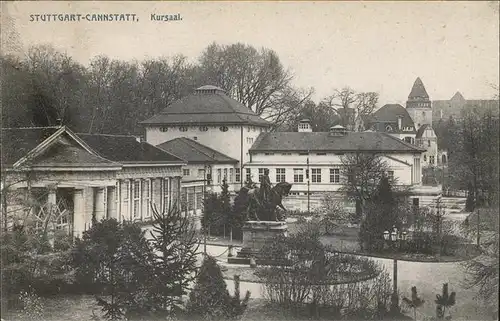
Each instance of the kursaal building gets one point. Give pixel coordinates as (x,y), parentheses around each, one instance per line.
(220,138)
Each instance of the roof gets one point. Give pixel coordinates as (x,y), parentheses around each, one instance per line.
(71,156)
(418,90)
(208,105)
(194,152)
(46,146)
(316,141)
(17,142)
(421,130)
(389,115)
(126,149)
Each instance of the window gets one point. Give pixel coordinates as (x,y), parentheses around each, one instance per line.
(248,174)
(190,199)
(165,193)
(183,129)
(334,175)
(199,200)
(146,191)
(249,140)
(321,154)
(219,175)
(223,128)
(248,129)
(390,175)
(316,175)
(164,129)
(136,210)
(280,175)
(231,170)
(126,201)
(423,114)
(225,174)
(237,175)
(298,175)
(428,143)
(203,128)
(388,128)
(425,158)
(185,172)
(303,126)
(268,154)
(286,154)
(261,173)
(201,173)
(431,159)
(303,154)
(184,199)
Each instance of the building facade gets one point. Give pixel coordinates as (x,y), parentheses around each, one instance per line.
(211,118)
(56,178)
(312,161)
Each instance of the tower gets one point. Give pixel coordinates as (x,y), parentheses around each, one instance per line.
(419,105)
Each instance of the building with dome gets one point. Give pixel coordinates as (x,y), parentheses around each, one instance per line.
(212,133)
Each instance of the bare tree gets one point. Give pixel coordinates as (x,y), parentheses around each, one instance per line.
(256,78)
(349,104)
(361,173)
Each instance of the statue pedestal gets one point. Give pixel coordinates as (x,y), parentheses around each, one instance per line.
(255,235)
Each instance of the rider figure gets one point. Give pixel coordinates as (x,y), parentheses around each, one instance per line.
(265,186)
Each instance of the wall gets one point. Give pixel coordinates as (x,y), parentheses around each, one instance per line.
(418,117)
(228,143)
(400,164)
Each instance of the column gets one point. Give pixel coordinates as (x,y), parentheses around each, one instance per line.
(78,213)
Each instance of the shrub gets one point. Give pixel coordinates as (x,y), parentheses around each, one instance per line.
(32,306)
(209,297)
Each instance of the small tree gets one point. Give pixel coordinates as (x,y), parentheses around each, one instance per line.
(239,214)
(363,172)
(174,262)
(382,215)
(332,213)
(443,301)
(414,302)
(209,297)
(210,220)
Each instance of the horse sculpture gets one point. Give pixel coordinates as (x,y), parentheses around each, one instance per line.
(265,209)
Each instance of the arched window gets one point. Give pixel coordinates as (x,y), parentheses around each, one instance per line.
(443,159)
(388,128)
(425,158)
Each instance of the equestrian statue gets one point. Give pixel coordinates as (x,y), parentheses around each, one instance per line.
(262,202)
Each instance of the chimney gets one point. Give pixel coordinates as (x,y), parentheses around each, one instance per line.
(400,122)
(304,126)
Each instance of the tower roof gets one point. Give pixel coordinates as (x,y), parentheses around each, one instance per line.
(418,90)
(458,96)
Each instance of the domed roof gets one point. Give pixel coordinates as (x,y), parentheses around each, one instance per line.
(207,105)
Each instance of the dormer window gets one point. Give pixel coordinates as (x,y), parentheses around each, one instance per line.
(164,129)
(183,129)
(388,128)
(223,128)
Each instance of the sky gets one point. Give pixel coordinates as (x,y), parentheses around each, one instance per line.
(368,46)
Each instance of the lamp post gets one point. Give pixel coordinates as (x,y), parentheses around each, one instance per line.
(395,240)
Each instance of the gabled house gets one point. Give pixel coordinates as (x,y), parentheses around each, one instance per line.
(55,178)
(205,171)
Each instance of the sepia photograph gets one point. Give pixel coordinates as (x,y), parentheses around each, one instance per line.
(249,160)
